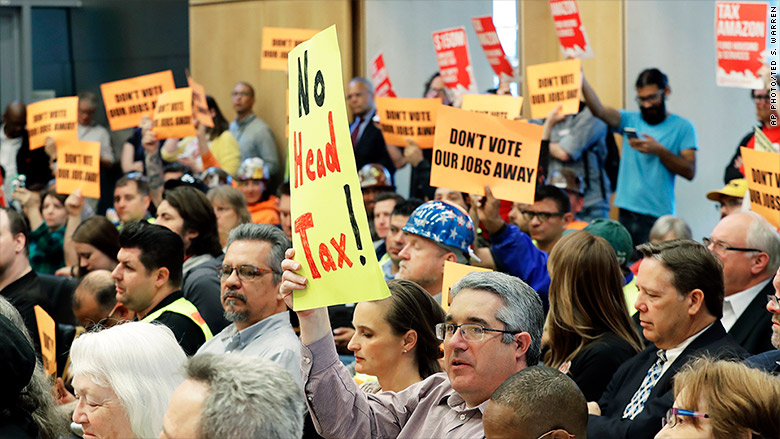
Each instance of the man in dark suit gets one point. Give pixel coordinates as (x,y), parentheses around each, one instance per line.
(366,138)
(680,303)
(770,361)
(749,248)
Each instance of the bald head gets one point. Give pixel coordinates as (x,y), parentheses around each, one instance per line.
(94,298)
(14,119)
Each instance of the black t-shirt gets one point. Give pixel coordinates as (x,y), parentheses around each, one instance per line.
(187,332)
(24,293)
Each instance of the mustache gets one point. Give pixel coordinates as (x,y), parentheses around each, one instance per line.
(230,294)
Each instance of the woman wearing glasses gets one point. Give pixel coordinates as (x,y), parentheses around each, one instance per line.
(721,399)
(588,333)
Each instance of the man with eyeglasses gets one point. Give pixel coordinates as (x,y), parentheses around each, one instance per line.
(680,304)
(729,199)
(493,329)
(249,280)
(665,147)
(749,248)
(254,137)
(770,361)
(148,282)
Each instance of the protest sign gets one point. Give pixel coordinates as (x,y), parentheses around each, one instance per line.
(173,114)
(402,118)
(488,38)
(570,30)
(331,237)
(762,171)
(48,340)
(740,43)
(202,112)
(128,100)
(505,107)
(453,272)
(55,118)
(452,54)
(277,44)
(553,84)
(380,79)
(78,167)
(472,151)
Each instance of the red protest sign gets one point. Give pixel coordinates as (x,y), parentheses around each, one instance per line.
(570,30)
(380,79)
(488,38)
(740,38)
(452,54)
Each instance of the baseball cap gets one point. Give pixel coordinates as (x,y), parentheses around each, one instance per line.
(443,223)
(735,188)
(616,235)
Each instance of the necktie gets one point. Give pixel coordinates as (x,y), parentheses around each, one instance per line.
(640,397)
(355,131)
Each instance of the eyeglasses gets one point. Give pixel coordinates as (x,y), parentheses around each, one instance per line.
(774,300)
(241,93)
(671,416)
(543,216)
(244,272)
(552,432)
(651,98)
(729,203)
(469,331)
(720,247)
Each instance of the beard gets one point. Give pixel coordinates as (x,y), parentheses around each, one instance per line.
(231,315)
(655,114)
(776,338)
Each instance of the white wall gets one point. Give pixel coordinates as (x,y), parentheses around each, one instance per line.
(678,37)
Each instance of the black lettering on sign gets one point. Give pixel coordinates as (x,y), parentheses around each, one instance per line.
(445,158)
(303,86)
(387,128)
(38,117)
(72,158)
(537,99)
(87,159)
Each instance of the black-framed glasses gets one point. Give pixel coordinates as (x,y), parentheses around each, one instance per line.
(245,272)
(774,300)
(673,413)
(720,247)
(729,203)
(543,216)
(241,93)
(652,98)
(469,331)
(552,432)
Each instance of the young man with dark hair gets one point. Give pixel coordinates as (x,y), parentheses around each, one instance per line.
(131,198)
(189,213)
(148,281)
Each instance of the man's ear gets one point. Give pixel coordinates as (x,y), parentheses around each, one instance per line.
(667,91)
(568,217)
(19,242)
(161,276)
(523,341)
(451,257)
(696,299)
(762,259)
(147,201)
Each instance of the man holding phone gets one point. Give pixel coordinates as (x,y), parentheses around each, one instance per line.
(663,145)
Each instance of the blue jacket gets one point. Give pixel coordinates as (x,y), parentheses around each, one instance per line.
(515,253)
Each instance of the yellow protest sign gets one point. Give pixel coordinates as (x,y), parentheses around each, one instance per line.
(404,118)
(552,84)
(330,230)
(474,150)
(202,112)
(55,118)
(762,171)
(78,167)
(505,107)
(453,272)
(173,114)
(128,100)
(278,42)
(48,340)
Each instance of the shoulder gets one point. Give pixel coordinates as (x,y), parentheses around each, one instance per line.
(680,123)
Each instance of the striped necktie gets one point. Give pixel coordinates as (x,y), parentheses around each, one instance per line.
(640,397)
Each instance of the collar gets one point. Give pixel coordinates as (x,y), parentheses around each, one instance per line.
(457,403)
(167,300)
(740,301)
(268,324)
(673,353)
(248,119)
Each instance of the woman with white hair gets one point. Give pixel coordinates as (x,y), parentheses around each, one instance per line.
(124,377)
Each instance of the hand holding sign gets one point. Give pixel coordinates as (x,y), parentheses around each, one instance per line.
(78,167)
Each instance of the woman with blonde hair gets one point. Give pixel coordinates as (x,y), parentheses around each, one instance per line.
(723,400)
(230,208)
(588,332)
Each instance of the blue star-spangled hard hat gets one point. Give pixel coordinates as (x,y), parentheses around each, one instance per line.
(443,223)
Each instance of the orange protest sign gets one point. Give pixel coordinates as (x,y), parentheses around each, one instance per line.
(453,272)
(473,151)
(762,171)
(173,114)
(505,107)
(277,44)
(48,340)
(552,84)
(78,167)
(202,112)
(54,118)
(404,118)
(128,100)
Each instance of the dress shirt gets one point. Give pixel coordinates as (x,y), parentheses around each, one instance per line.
(430,408)
(735,304)
(673,353)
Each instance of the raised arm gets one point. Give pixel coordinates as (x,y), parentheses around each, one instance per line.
(74,204)
(154,166)
(607,114)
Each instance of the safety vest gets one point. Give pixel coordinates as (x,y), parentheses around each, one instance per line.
(186,308)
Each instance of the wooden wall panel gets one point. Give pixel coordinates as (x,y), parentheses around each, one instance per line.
(225,40)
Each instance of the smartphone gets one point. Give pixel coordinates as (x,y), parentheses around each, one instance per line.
(631,133)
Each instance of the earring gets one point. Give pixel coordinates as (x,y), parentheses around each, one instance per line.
(405,351)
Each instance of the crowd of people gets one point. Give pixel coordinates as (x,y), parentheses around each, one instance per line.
(173,299)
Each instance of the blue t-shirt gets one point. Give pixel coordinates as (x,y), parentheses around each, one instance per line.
(644,184)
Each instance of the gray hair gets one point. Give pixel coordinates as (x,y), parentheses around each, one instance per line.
(762,235)
(249,397)
(522,310)
(89,97)
(141,362)
(264,233)
(670,223)
(364,81)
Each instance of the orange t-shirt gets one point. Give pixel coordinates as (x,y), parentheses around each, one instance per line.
(265,212)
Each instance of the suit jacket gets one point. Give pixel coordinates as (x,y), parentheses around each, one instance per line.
(714,341)
(768,362)
(370,148)
(753,329)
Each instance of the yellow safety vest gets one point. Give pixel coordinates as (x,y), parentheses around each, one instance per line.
(186,308)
